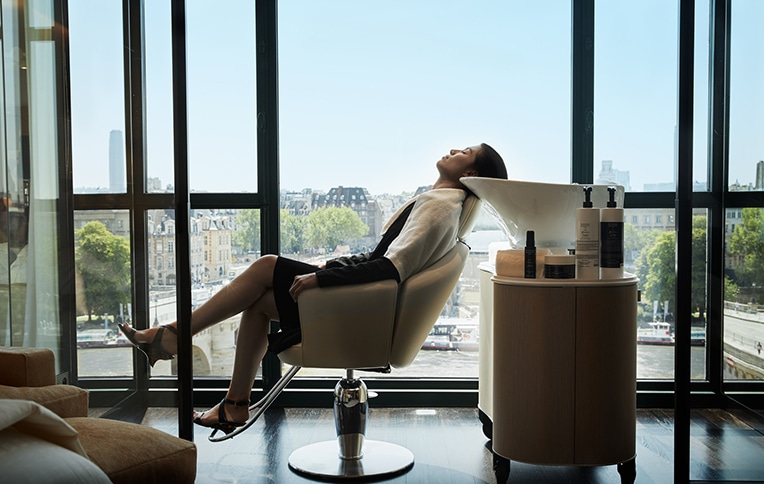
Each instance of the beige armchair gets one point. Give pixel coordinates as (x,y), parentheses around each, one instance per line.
(125,452)
(376,326)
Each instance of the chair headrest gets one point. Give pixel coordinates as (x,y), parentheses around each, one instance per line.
(469,215)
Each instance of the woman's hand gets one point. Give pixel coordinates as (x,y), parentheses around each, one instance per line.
(306,281)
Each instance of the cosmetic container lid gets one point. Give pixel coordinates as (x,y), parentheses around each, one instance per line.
(559,260)
(530,239)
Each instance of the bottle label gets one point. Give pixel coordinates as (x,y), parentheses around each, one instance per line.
(530,263)
(587,260)
(611,247)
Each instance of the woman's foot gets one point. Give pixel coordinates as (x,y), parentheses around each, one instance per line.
(156,343)
(225,416)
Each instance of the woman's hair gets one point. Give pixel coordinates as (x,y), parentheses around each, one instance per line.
(488,163)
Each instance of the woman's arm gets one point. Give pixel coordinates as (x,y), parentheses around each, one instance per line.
(369,271)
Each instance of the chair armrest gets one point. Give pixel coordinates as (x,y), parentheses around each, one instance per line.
(345,326)
(27,367)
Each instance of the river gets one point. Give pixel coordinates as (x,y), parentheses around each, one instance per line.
(653,362)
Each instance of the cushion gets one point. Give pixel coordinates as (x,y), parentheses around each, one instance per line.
(130,453)
(30,459)
(27,367)
(37,445)
(63,400)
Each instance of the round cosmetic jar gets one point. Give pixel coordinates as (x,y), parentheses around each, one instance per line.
(560,266)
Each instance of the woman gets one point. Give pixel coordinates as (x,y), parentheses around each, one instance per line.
(416,236)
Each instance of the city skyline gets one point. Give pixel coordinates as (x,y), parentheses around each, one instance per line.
(493,71)
(606,171)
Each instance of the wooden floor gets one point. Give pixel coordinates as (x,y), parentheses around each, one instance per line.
(449,447)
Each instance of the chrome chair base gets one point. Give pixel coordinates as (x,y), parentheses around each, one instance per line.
(321,461)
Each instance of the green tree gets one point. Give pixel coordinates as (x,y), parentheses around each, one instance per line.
(103,261)
(641,241)
(247,233)
(660,262)
(333,226)
(731,290)
(747,243)
(293,232)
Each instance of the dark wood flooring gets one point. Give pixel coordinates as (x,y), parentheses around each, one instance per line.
(449,447)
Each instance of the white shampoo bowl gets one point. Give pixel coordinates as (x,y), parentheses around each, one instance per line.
(549,209)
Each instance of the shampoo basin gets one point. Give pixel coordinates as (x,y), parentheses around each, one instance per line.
(549,209)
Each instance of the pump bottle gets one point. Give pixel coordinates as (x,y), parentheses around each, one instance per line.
(611,239)
(587,239)
(530,254)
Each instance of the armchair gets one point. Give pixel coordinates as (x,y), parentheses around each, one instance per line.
(125,452)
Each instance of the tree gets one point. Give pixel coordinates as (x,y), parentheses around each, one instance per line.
(293,232)
(747,243)
(247,233)
(331,226)
(639,241)
(731,290)
(660,262)
(103,261)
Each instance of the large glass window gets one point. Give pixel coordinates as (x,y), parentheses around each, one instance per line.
(744,294)
(650,254)
(222,245)
(746,100)
(160,153)
(222,113)
(744,251)
(372,94)
(96,48)
(104,292)
(635,95)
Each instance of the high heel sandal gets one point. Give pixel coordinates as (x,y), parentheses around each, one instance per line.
(223,423)
(153,350)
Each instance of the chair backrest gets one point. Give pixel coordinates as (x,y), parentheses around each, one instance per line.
(375,324)
(421,297)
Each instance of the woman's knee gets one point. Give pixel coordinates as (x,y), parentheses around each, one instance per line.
(262,267)
(267,259)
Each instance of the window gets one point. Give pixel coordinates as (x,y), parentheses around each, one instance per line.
(347,72)
(221,121)
(335,92)
(104,296)
(97,97)
(746,168)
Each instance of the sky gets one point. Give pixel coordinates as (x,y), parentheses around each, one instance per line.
(372,94)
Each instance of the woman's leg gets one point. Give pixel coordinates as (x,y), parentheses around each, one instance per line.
(251,345)
(233,298)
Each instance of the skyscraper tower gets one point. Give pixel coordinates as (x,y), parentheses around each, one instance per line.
(116,162)
(760,175)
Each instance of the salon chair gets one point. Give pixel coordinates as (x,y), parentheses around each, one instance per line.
(375,326)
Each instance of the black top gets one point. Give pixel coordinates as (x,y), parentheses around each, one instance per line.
(366,267)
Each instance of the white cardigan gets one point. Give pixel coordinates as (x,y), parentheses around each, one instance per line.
(429,232)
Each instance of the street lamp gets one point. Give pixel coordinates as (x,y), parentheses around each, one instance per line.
(155,298)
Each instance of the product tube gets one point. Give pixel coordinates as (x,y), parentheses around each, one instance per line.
(611,239)
(587,239)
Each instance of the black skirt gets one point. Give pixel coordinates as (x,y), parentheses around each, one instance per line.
(283,275)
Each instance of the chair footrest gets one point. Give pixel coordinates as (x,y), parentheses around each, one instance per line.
(380,460)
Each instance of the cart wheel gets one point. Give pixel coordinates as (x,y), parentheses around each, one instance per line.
(628,471)
(500,469)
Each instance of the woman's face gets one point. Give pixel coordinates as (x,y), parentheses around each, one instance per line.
(458,163)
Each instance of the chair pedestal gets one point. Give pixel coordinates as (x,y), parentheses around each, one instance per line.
(351,456)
